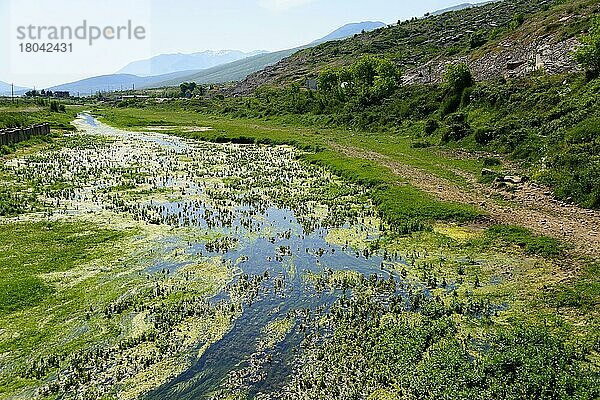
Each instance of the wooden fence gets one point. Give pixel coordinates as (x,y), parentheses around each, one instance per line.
(15,135)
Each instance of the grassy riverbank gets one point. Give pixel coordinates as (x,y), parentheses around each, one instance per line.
(27,112)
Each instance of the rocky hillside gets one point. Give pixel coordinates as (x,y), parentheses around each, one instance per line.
(510,38)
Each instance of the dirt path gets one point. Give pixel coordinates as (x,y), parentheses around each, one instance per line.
(529,205)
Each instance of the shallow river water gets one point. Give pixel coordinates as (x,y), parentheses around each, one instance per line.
(257,209)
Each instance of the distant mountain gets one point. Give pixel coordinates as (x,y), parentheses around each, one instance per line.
(114,82)
(234,71)
(168,63)
(350,30)
(246,64)
(239,70)
(455,8)
(5,89)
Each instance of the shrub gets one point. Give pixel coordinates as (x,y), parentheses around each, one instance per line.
(54,106)
(518,20)
(457,128)
(484,136)
(458,77)
(431,125)
(419,144)
(574,166)
(491,161)
(451,104)
(477,39)
(588,55)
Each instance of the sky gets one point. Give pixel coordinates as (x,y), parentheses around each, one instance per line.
(172,26)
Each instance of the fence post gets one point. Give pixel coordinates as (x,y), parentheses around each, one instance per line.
(15,135)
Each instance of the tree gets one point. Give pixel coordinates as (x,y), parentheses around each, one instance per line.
(365,70)
(187,88)
(386,80)
(588,55)
(199,91)
(458,77)
(369,80)
(374,78)
(328,80)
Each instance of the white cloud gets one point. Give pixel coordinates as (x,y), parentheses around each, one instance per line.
(282,5)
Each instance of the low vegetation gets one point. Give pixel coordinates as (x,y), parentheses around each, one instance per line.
(537,122)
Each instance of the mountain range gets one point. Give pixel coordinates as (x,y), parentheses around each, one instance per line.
(114,82)
(5,89)
(225,72)
(455,8)
(168,63)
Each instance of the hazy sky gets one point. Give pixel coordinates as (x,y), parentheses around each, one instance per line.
(178,26)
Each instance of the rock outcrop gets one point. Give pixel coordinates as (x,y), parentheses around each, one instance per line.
(510,59)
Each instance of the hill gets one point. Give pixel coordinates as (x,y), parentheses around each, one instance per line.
(454,8)
(169,63)
(512,37)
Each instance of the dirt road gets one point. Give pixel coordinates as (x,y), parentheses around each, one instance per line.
(528,204)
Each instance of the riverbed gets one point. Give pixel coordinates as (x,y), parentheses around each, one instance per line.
(252,225)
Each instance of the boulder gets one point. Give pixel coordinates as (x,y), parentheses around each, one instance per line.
(513,179)
(512,65)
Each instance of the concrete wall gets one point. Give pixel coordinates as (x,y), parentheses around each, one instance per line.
(15,135)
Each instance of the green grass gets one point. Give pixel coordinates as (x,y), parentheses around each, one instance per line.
(41,313)
(405,207)
(583,294)
(28,250)
(26,113)
(503,235)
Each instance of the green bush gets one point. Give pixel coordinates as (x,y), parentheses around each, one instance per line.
(573,168)
(477,39)
(588,55)
(491,161)
(457,128)
(57,107)
(458,77)
(431,125)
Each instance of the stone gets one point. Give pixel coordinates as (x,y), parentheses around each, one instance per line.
(513,179)
(512,65)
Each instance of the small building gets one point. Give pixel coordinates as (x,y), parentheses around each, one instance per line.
(312,84)
(134,96)
(61,94)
